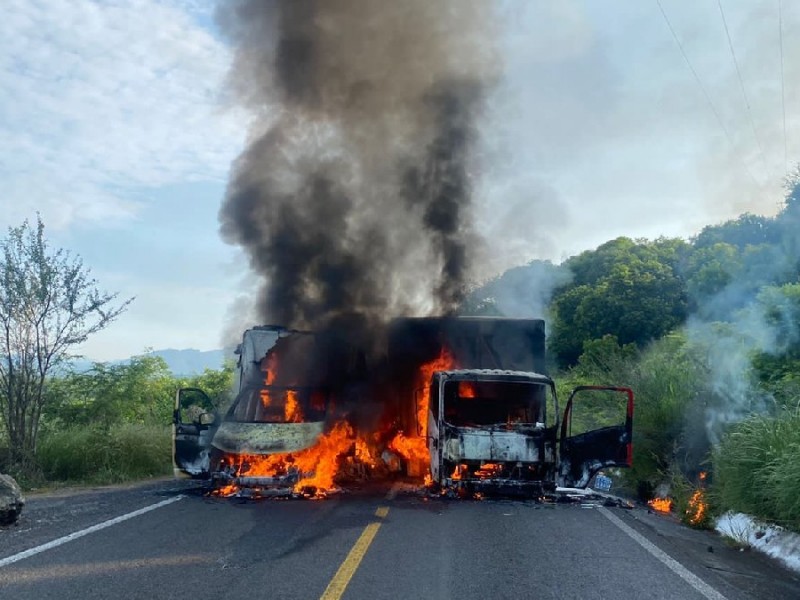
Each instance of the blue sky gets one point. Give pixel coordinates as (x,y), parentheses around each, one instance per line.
(116,128)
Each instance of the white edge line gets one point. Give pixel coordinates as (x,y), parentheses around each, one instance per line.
(676,567)
(79,534)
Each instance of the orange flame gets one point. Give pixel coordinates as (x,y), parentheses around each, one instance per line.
(415,449)
(268,364)
(489,470)
(366,452)
(292,411)
(697,509)
(663,505)
(317,466)
(466,389)
(444,362)
(409,448)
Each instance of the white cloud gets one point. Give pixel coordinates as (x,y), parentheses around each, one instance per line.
(101,98)
(161,316)
(599,128)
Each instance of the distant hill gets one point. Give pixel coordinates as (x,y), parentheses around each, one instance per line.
(182,363)
(191,361)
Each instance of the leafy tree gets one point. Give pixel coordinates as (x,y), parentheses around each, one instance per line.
(140,391)
(631,290)
(777,365)
(48,304)
(746,230)
(217,383)
(709,270)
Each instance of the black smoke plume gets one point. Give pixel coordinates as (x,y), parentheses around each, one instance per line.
(353,195)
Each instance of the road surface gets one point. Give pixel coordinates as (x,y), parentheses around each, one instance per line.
(166,540)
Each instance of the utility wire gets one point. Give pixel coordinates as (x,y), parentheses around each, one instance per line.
(741,84)
(703,89)
(783,90)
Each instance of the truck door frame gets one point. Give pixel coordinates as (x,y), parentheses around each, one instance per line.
(581,456)
(191,439)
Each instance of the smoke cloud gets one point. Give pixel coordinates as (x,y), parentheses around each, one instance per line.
(354,193)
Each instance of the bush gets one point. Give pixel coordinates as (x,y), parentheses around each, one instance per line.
(668,381)
(757,469)
(106,455)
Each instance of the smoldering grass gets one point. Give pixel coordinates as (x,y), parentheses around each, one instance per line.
(105,455)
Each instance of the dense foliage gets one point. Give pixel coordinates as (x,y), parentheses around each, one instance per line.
(707,332)
(49,303)
(111,422)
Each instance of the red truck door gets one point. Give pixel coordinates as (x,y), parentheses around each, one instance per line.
(596,433)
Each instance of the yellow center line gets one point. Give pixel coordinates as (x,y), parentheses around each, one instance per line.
(348,568)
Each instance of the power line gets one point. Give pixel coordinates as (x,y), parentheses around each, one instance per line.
(741,84)
(703,89)
(783,90)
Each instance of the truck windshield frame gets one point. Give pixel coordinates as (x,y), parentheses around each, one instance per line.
(251,405)
(487,403)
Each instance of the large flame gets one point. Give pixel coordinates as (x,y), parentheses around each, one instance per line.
(416,448)
(317,467)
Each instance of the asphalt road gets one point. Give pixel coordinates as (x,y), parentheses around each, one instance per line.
(364,544)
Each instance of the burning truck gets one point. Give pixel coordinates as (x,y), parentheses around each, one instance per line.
(461,403)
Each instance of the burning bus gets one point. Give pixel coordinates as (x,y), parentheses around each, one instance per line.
(461,402)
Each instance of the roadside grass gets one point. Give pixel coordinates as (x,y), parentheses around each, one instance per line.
(757,469)
(105,455)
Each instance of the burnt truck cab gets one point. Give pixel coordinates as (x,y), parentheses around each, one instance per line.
(499,431)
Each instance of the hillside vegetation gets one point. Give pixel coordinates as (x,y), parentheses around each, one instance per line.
(707,332)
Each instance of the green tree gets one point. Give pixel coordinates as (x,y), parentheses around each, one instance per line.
(631,290)
(746,230)
(777,365)
(217,383)
(48,304)
(140,391)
